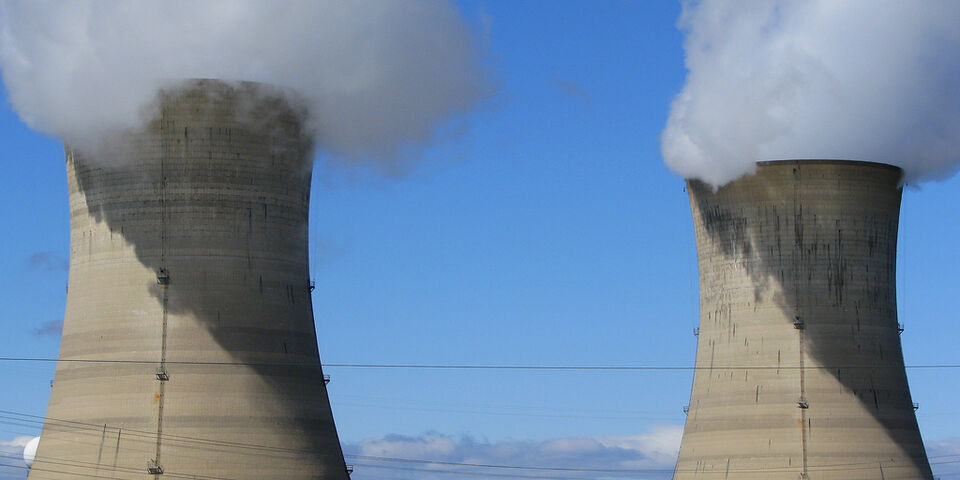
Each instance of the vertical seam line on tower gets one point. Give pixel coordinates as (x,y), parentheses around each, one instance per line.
(800,322)
(803,409)
(161,372)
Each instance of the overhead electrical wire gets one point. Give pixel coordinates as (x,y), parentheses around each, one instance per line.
(482,474)
(479,366)
(199,443)
(97,467)
(391,400)
(510,414)
(18,420)
(149,436)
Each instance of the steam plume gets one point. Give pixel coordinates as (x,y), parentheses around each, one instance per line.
(874,80)
(379,76)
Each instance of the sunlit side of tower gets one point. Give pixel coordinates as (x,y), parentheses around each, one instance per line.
(797,286)
(189,348)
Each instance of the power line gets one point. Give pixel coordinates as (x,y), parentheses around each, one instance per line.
(62,462)
(141,436)
(660,416)
(480,366)
(482,474)
(199,443)
(510,467)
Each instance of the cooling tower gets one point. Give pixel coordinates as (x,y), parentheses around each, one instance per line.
(797,287)
(189,348)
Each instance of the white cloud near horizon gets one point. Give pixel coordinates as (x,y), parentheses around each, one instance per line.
(650,455)
(944,455)
(11,458)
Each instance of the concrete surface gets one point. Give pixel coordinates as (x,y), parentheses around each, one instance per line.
(213,195)
(797,283)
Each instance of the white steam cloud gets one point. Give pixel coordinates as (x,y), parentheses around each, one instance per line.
(379,76)
(873,80)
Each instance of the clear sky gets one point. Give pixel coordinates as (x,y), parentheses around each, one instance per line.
(548,233)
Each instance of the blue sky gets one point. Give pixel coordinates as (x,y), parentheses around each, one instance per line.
(548,233)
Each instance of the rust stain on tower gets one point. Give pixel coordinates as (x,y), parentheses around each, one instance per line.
(190,256)
(797,287)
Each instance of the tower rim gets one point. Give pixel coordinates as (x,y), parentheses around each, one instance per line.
(827,161)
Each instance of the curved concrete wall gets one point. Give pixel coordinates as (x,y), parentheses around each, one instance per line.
(797,282)
(189,253)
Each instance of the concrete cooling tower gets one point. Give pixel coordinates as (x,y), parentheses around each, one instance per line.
(797,286)
(189,348)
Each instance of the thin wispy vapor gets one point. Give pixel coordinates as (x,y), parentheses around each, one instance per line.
(572,90)
(49,261)
(51,328)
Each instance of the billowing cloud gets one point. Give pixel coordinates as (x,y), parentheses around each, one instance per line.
(872,80)
(644,456)
(380,77)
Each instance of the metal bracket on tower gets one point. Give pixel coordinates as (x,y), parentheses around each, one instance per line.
(154,468)
(899,328)
(916,406)
(162,277)
(696,332)
(802,403)
(313,285)
(162,374)
(349,469)
(798,324)
(326,379)
(686,409)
